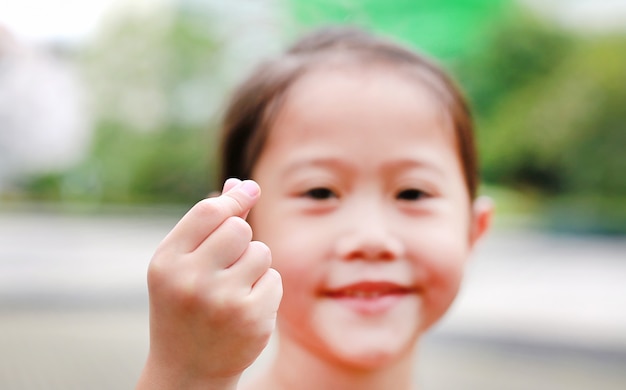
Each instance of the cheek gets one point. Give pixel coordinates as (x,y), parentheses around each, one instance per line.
(295,258)
(445,283)
(439,259)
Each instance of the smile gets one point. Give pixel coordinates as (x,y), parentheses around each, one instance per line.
(368,290)
(369,298)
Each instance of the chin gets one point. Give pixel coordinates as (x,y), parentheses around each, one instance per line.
(374,361)
(372,358)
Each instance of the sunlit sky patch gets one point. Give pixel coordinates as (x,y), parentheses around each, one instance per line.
(74,20)
(53,20)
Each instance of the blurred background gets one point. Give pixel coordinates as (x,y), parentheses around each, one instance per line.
(108,115)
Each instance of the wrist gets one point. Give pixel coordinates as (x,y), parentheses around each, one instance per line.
(166,377)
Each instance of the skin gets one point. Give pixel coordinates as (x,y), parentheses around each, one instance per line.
(370,224)
(213,297)
(366,212)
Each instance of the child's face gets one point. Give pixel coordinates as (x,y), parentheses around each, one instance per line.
(365,209)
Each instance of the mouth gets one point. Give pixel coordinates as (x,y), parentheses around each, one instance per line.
(368,290)
(370,298)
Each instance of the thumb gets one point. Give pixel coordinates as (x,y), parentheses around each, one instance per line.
(244,193)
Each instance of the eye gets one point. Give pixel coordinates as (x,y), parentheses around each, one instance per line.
(320,193)
(411,194)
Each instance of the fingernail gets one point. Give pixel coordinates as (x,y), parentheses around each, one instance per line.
(249,187)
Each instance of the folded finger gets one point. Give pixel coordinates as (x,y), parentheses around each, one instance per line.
(252,264)
(206,215)
(226,244)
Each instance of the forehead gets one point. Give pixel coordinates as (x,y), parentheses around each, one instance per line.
(370,117)
(368,102)
(385,80)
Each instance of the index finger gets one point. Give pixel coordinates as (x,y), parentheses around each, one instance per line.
(208,214)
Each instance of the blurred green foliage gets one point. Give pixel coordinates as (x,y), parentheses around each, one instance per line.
(154,78)
(446,29)
(548,104)
(551,121)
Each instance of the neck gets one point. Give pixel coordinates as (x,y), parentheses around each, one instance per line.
(295,367)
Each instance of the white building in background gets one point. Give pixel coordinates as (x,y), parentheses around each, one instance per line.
(43,123)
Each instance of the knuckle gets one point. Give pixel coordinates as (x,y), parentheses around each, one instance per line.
(196,294)
(261,248)
(208,208)
(277,283)
(221,206)
(275,275)
(239,227)
(221,305)
(250,320)
(158,271)
(236,205)
(185,290)
(179,290)
(226,309)
(261,252)
(275,291)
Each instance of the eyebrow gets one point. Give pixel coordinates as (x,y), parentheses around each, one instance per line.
(317,162)
(406,163)
(335,162)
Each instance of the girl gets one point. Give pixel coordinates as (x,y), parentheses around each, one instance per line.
(365,154)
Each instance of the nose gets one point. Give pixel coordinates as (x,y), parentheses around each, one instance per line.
(368,235)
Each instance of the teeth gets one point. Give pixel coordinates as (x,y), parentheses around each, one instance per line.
(367,293)
(364,294)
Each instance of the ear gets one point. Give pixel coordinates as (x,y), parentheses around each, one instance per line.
(482,212)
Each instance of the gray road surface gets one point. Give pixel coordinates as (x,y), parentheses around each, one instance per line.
(537,311)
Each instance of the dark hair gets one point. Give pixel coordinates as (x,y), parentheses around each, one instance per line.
(255,103)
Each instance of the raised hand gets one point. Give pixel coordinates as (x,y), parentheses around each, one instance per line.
(213,296)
